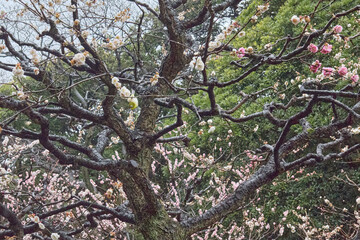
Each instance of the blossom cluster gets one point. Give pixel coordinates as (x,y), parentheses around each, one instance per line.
(125,93)
(296,20)
(35,57)
(242,51)
(260,10)
(197,63)
(79,59)
(122,16)
(54,188)
(180,159)
(114,44)
(329,72)
(154,79)
(222,36)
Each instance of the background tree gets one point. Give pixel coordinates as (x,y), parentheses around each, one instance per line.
(114,100)
(296,188)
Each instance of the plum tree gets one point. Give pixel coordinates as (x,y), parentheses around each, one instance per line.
(99,99)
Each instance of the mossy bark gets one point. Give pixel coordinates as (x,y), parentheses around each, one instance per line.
(161,227)
(152,220)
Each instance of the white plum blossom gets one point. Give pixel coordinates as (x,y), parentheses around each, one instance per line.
(51,10)
(55,236)
(85,34)
(35,219)
(122,16)
(210,159)
(199,64)
(355,130)
(114,80)
(220,37)
(213,45)
(211,129)
(72,31)
(154,79)
(263,8)
(36,71)
(268,46)
(79,59)
(33,52)
(295,20)
(124,92)
(21,95)
(181,16)
(41,226)
(118,42)
(114,44)
(250,49)
(36,60)
(202,123)
(133,103)
(18,71)
(116,83)
(281,231)
(241,34)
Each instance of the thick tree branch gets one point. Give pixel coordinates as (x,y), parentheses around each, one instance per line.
(15,224)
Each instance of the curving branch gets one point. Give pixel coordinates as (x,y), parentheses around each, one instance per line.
(15,224)
(204,13)
(179,122)
(121,213)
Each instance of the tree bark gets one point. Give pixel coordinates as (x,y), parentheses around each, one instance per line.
(151,218)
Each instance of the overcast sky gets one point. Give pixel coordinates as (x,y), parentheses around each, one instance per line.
(9,6)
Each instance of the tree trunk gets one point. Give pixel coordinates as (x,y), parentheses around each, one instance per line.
(151,218)
(161,227)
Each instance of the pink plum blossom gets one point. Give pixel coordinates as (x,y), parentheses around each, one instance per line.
(355,78)
(241,52)
(315,66)
(326,48)
(337,29)
(342,71)
(327,71)
(313,48)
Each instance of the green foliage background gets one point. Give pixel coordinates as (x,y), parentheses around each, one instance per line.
(313,185)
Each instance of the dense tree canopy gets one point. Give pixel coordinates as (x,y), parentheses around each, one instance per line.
(181,119)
